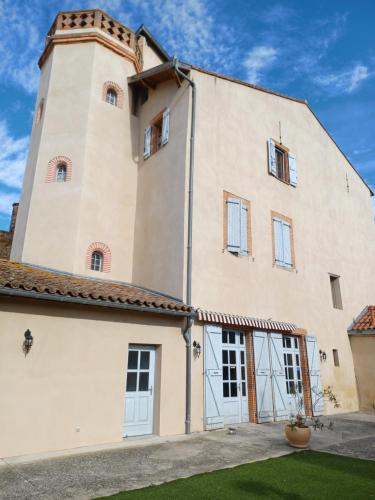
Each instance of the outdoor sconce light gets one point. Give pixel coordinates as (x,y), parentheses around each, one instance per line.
(28,342)
(323,355)
(196,349)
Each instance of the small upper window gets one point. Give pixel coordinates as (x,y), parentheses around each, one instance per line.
(111,97)
(156,134)
(281,163)
(97,261)
(335,291)
(61,173)
(336,360)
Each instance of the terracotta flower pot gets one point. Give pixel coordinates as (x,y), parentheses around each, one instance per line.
(298,437)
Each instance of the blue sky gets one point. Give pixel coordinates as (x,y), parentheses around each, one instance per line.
(322,51)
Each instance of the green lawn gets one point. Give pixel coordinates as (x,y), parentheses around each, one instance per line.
(305,475)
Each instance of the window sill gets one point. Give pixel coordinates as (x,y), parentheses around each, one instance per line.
(239,256)
(285,268)
(156,152)
(281,180)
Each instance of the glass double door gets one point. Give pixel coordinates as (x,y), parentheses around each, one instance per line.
(235,406)
(292,367)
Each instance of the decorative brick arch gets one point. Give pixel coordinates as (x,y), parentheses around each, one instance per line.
(104,249)
(54,163)
(120,93)
(39,112)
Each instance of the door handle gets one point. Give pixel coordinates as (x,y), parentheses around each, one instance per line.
(150,391)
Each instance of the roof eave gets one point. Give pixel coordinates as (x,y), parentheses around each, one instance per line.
(153,42)
(92,302)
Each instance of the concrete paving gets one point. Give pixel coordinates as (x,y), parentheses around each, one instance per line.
(140,463)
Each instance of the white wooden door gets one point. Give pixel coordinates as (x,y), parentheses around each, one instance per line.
(313,359)
(213,377)
(281,410)
(139,392)
(263,377)
(235,405)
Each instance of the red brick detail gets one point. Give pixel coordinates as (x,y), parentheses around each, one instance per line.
(117,89)
(54,163)
(251,383)
(39,112)
(305,375)
(104,249)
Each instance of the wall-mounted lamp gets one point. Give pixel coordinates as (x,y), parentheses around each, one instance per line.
(28,342)
(196,349)
(323,355)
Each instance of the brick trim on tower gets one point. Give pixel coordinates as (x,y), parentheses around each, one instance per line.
(120,93)
(105,250)
(53,164)
(250,376)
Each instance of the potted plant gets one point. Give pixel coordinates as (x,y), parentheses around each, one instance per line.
(298,430)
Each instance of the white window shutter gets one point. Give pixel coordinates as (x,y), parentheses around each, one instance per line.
(271,157)
(278,238)
(165,130)
(292,170)
(213,375)
(147,143)
(243,229)
(278,373)
(234,224)
(313,359)
(287,248)
(263,377)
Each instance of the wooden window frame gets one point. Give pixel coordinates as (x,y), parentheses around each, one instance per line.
(226,195)
(156,125)
(288,220)
(285,151)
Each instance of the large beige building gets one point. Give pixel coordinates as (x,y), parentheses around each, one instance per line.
(216,193)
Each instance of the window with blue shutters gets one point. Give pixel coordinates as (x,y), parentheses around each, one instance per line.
(281,163)
(237,225)
(283,242)
(156,135)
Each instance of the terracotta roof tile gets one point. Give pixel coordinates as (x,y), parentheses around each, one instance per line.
(45,282)
(365,321)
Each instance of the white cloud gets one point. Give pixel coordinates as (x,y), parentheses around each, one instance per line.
(257,59)
(13,153)
(344,81)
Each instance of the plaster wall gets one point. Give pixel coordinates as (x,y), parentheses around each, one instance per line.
(334,230)
(159,248)
(363,349)
(69,391)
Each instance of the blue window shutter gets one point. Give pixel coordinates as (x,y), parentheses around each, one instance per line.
(243,230)
(279,249)
(234,224)
(287,245)
(271,157)
(293,170)
(165,129)
(147,143)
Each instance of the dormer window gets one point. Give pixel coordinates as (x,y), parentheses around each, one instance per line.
(111,97)
(97,261)
(61,172)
